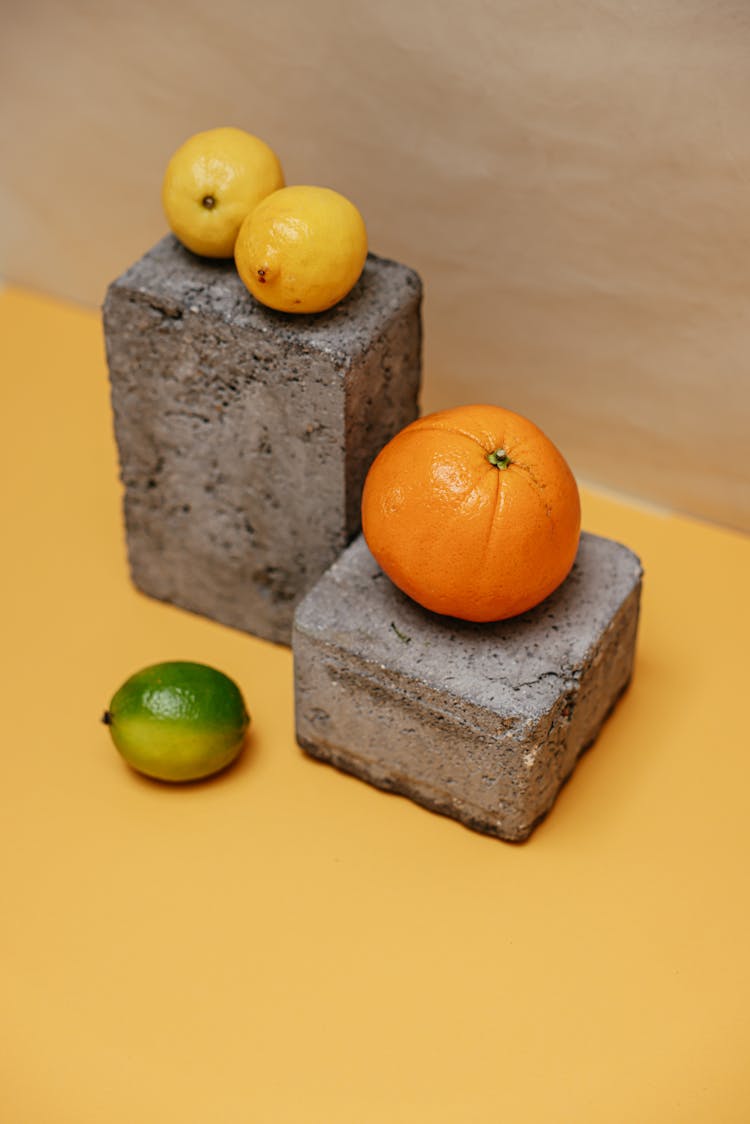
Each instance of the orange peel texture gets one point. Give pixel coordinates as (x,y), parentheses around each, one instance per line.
(473,513)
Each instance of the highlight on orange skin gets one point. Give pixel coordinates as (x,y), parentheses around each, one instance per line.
(473,513)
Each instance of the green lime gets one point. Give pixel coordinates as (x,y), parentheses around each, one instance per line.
(178,721)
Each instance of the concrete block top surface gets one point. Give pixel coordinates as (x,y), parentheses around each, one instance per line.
(514,666)
(173,279)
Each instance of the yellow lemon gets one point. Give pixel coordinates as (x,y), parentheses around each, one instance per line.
(213,181)
(302,249)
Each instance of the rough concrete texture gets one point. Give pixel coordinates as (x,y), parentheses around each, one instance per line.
(480,722)
(245,434)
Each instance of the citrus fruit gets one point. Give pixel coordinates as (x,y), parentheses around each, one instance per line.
(302,249)
(178,721)
(212,182)
(472,512)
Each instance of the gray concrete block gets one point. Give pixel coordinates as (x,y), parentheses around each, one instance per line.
(480,722)
(245,434)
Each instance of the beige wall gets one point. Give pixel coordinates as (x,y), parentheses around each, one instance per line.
(572,181)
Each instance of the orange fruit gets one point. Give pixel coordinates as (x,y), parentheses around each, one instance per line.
(473,513)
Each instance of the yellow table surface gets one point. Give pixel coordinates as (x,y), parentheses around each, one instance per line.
(285,944)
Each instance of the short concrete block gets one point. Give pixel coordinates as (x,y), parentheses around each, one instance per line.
(245,434)
(480,722)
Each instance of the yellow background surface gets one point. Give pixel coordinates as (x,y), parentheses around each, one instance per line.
(286,945)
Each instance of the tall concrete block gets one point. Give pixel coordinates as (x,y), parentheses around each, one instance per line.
(245,434)
(482,722)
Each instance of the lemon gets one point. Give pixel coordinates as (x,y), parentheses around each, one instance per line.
(212,182)
(178,721)
(302,249)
